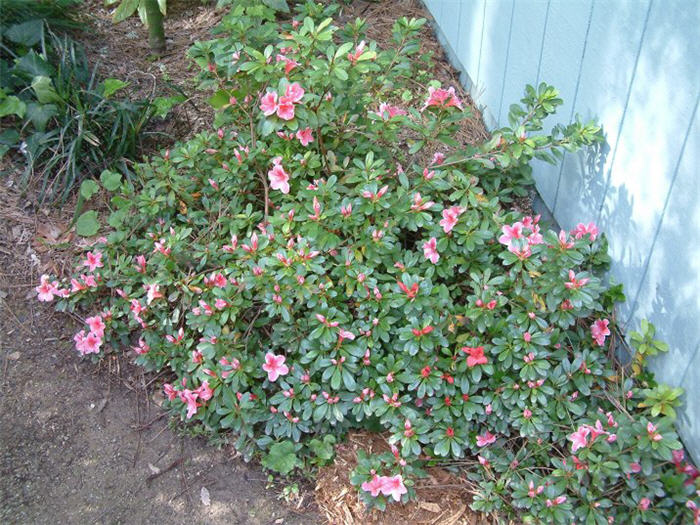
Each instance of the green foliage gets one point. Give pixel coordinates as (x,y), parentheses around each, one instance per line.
(661,400)
(311,266)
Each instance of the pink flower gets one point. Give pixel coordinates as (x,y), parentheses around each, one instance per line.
(510,233)
(589,229)
(600,330)
(89,344)
(152,292)
(294,92)
(579,439)
(279,179)
(393,486)
(527,413)
(387,111)
(96,325)
(487,439)
(268,103)
(94,260)
(204,391)
(169,391)
(190,398)
(305,136)
(374,486)
(442,98)
(430,250)
(438,158)
(653,434)
(449,217)
(274,366)
(635,468)
(359,50)
(557,501)
(285,108)
(142,348)
(140,264)
(476,355)
(46,290)
(644,504)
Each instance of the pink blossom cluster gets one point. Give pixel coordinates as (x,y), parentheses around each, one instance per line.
(521,235)
(442,98)
(283,105)
(600,330)
(392,486)
(189,397)
(580,438)
(387,111)
(91,342)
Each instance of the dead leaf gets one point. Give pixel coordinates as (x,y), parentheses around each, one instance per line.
(204,495)
(430,507)
(14,356)
(153,469)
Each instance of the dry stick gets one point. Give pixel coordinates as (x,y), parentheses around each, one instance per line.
(138,443)
(170,467)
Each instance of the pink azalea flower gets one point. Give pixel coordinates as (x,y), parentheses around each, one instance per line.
(305,136)
(89,344)
(294,92)
(449,217)
(46,290)
(96,325)
(579,439)
(476,355)
(510,233)
(438,158)
(387,111)
(169,391)
(94,260)
(374,486)
(142,348)
(430,250)
(204,391)
(285,108)
(419,205)
(600,330)
(140,264)
(152,292)
(441,97)
(644,504)
(279,179)
(393,486)
(487,439)
(589,229)
(274,366)
(190,398)
(268,103)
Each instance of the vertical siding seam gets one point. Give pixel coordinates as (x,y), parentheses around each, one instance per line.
(663,212)
(573,103)
(481,45)
(624,111)
(687,368)
(459,37)
(544,35)
(505,66)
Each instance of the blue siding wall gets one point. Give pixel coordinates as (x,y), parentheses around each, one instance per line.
(633,66)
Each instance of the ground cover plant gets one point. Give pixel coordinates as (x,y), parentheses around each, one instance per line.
(66,121)
(329,258)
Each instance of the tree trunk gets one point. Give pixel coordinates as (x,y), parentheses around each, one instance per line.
(154,20)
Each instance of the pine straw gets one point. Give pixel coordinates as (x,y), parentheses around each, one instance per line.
(442,498)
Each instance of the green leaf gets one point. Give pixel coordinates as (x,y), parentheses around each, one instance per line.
(277,5)
(220,99)
(88,188)
(112,85)
(163,6)
(40,114)
(32,65)
(111,180)
(26,34)
(12,106)
(282,458)
(87,224)
(44,90)
(163,105)
(125,10)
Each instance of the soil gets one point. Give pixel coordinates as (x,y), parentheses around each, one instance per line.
(84,442)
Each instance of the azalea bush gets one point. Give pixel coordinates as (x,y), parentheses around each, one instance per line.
(330,258)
